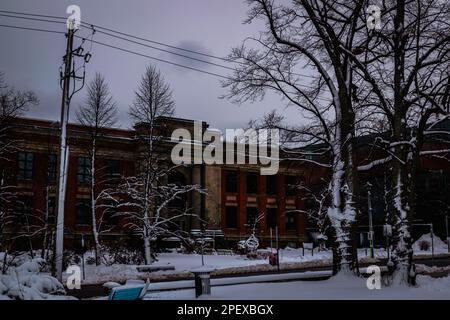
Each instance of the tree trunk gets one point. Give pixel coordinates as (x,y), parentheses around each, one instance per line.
(94,205)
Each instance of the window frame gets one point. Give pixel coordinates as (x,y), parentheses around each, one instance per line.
(83,170)
(227,220)
(25,166)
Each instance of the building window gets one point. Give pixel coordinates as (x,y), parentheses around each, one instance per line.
(51,206)
(25,161)
(83,212)
(112,170)
(231,181)
(290,221)
(252,183)
(271,218)
(231,217)
(252,213)
(291,185)
(52,163)
(110,216)
(24,210)
(271,185)
(84,170)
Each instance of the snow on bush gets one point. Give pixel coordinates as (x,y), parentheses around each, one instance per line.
(424,244)
(25,282)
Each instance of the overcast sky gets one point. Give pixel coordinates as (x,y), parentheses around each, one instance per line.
(30,60)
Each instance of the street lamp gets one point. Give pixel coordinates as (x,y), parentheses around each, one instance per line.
(369,209)
(446,230)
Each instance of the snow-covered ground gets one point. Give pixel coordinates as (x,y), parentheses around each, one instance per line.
(230,264)
(27,282)
(336,288)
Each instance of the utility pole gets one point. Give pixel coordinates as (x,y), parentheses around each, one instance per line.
(63,158)
(369,209)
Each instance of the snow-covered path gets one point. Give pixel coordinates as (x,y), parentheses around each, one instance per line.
(339,288)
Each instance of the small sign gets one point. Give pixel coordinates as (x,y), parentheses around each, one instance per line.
(387,230)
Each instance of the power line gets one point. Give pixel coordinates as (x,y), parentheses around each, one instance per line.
(99,28)
(154,58)
(32,29)
(32,19)
(136,53)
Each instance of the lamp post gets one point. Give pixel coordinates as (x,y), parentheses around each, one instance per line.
(369,210)
(446,230)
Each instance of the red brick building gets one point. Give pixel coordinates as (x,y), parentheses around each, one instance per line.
(236,194)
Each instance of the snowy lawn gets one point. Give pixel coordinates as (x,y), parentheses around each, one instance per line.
(224,264)
(337,288)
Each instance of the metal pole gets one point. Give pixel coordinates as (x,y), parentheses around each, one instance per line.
(271,244)
(432,244)
(278,249)
(369,206)
(446,229)
(82,256)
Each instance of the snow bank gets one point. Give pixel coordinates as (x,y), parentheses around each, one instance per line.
(25,282)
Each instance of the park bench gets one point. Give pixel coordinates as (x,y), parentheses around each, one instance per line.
(224,252)
(308,246)
(129,292)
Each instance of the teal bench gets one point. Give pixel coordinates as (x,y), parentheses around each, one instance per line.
(128,292)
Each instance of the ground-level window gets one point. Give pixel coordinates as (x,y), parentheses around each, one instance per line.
(110,214)
(24,210)
(25,164)
(83,212)
(252,213)
(51,206)
(271,218)
(290,221)
(231,220)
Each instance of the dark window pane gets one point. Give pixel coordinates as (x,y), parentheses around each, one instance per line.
(110,216)
(52,162)
(83,212)
(271,185)
(231,181)
(271,218)
(112,170)
(51,210)
(252,183)
(231,217)
(84,170)
(290,221)
(25,163)
(252,213)
(24,210)
(291,186)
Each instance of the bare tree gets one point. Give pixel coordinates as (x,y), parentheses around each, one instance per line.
(405,65)
(13,103)
(302,57)
(99,111)
(148,193)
